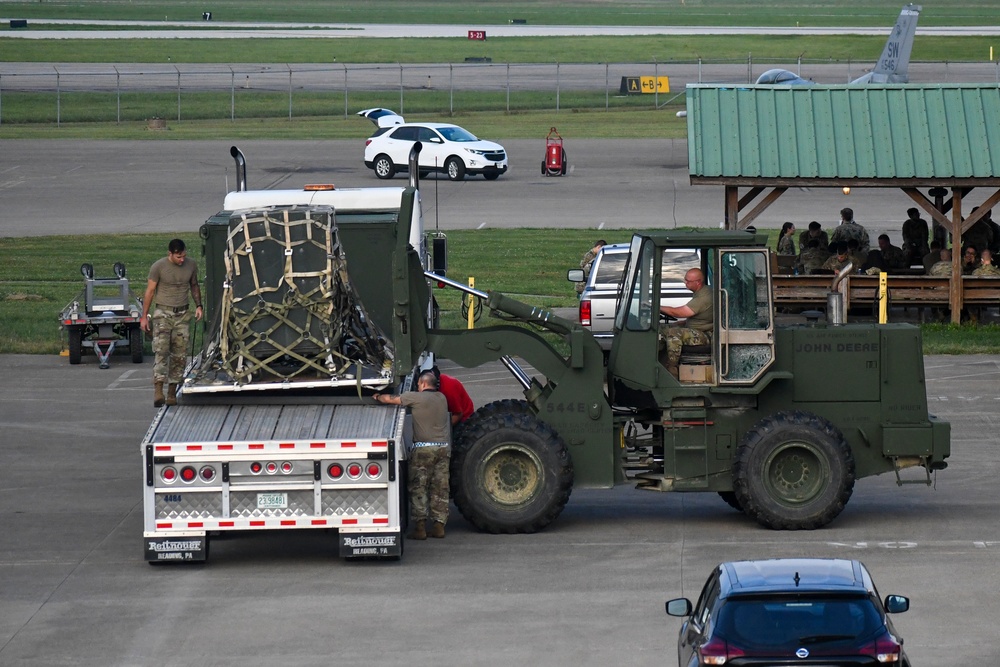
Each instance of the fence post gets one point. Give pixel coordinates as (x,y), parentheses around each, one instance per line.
(607,87)
(58,108)
(749,67)
(289,90)
(118,95)
(400,88)
(699,69)
(1,99)
(178,93)
(508,87)
(557,85)
(232,95)
(656,84)
(345,91)
(451,89)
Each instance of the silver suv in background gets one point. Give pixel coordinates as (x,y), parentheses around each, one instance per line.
(599,299)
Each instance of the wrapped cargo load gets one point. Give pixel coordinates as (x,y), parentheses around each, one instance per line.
(289,310)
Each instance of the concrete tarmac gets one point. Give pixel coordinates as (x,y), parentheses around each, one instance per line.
(118,187)
(588,590)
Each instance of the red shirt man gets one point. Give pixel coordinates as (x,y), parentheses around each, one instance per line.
(459,404)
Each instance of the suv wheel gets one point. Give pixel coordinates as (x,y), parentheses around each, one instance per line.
(455,169)
(384,168)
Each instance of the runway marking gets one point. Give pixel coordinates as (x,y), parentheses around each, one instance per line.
(481,225)
(124,377)
(875,545)
(600,226)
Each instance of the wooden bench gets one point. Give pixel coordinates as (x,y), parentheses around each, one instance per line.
(918,291)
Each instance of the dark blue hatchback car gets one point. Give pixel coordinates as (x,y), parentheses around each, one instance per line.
(794,611)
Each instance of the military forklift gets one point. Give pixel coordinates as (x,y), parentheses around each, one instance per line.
(778,420)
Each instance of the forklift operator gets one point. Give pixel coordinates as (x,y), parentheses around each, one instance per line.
(697,330)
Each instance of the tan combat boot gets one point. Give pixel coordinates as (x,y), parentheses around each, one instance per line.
(437,530)
(419,532)
(171,394)
(158,394)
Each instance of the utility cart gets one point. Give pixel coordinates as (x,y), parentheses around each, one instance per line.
(104,316)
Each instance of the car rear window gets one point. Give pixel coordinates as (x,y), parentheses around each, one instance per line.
(611,268)
(791,622)
(676,263)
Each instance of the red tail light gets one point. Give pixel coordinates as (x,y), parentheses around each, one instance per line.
(374,470)
(270,467)
(207,473)
(168,474)
(367,141)
(286,467)
(885,649)
(585,312)
(335,471)
(717,652)
(188,474)
(256,467)
(354,470)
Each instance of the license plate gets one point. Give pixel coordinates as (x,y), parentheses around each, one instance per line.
(272,501)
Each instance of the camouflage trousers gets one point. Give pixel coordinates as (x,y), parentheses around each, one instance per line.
(676,338)
(429,470)
(171,332)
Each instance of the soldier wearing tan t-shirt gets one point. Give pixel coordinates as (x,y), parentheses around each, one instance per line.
(173,280)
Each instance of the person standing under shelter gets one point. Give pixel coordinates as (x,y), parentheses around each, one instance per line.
(173,280)
(814,233)
(849,229)
(697,330)
(587,262)
(429,456)
(915,236)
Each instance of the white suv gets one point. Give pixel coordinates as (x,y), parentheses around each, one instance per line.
(446,148)
(599,299)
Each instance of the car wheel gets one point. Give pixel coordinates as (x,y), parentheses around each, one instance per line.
(793,471)
(455,169)
(384,168)
(510,472)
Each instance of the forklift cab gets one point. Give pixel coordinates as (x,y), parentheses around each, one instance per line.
(742,345)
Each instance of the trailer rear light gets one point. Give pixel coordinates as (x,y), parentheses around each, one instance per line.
(256,467)
(354,470)
(188,474)
(207,473)
(335,471)
(585,312)
(286,467)
(168,474)
(374,470)
(270,467)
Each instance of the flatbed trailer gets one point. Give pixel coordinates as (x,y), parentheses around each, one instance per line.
(249,464)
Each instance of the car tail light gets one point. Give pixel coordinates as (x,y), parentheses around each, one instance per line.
(207,473)
(188,474)
(374,470)
(368,142)
(717,652)
(885,650)
(585,312)
(256,467)
(168,474)
(354,470)
(335,471)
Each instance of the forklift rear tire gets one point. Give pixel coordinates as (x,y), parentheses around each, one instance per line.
(510,471)
(135,343)
(75,344)
(793,471)
(731,500)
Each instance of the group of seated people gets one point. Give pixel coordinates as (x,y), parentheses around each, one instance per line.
(817,258)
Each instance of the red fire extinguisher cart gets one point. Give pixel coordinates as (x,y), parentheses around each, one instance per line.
(554,163)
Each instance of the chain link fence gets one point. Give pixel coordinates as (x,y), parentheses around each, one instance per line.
(58,93)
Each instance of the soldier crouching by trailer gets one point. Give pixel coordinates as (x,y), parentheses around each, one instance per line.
(173,280)
(430,456)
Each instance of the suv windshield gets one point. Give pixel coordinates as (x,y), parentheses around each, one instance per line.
(456,134)
(789,622)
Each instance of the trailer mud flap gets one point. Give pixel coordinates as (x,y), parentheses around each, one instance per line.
(176,549)
(371,545)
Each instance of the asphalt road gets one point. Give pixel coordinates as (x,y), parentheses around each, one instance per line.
(589,590)
(115,187)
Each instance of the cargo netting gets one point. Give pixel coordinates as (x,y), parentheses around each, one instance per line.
(289,310)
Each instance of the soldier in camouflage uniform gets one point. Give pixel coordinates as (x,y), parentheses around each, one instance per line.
(587,262)
(942,269)
(848,230)
(814,233)
(986,267)
(812,257)
(893,256)
(429,456)
(697,330)
(839,260)
(173,280)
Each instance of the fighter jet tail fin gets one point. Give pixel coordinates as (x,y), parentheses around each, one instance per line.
(894,62)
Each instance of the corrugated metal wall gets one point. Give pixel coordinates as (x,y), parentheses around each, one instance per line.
(837,132)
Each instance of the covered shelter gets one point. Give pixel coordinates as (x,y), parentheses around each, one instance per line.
(942,138)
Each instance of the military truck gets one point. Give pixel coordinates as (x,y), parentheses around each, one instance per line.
(274,430)
(778,420)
